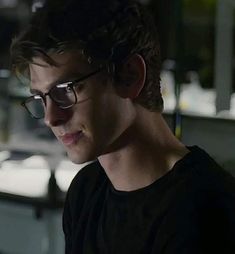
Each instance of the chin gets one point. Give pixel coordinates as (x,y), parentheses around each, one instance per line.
(80,158)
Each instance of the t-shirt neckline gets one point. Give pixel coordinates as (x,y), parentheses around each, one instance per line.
(179,168)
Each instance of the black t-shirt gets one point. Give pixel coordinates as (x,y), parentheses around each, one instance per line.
(190,210)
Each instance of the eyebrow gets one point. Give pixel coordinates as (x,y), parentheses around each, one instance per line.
(34,91)
(61,80)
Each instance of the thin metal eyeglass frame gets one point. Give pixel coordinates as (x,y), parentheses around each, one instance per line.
(70,84)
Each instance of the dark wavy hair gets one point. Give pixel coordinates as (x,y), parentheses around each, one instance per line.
(105,30)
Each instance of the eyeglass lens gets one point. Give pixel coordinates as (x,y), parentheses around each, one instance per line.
(35,106)
(62,95)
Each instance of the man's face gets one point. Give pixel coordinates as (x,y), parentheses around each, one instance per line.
(92,126)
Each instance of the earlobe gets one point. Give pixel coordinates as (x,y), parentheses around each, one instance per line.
(132,77)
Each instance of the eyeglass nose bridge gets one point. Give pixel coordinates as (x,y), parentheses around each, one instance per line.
(44,98)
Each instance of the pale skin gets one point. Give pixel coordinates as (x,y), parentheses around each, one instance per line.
(134,146)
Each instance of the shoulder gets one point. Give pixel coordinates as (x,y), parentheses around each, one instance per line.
(90,172)
(199,185)
(88,183)
(206,173)
(211,196)
(203,204)
(207,181)
(88,178)
(85,185)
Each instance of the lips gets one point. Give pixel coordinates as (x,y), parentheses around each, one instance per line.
(71,138)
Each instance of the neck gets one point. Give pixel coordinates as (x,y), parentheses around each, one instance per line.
(146,152)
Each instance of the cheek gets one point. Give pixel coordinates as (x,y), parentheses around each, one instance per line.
(99,117)
(113,118)
(102,116)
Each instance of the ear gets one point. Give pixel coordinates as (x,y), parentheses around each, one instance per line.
(132,77)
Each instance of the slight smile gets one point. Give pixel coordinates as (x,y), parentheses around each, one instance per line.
(71,138)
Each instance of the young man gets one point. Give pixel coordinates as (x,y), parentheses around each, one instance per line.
(94,74)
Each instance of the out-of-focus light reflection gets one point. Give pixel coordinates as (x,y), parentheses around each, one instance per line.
(4,73)
(8,3)
(37,4)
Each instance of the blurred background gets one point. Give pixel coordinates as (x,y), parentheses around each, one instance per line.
(198,86)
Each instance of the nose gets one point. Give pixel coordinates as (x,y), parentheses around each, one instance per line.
(55,116)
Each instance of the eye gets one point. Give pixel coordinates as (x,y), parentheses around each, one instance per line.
(63,88)
(68,89)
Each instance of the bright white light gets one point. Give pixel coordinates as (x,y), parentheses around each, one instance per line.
(4,73)
(37,4)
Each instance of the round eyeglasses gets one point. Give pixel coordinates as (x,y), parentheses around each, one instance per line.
(63,95)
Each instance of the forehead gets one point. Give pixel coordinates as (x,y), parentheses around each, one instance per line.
(69,65)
